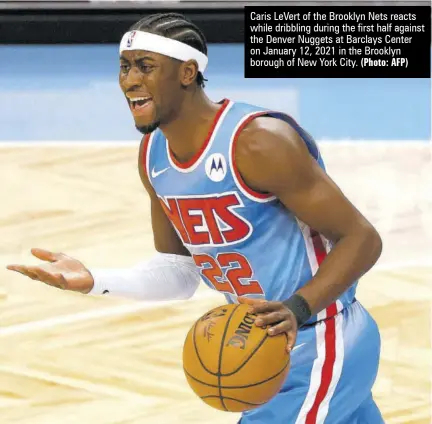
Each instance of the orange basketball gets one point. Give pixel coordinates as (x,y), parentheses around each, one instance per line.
(232,364)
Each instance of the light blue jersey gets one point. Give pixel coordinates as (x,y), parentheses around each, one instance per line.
(244,243)
(247,243)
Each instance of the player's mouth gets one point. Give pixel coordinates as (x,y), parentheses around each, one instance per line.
(139,105)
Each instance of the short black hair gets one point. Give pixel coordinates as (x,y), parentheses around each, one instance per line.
(177,27)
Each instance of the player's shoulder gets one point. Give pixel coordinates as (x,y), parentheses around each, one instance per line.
(258,121)
(266,134)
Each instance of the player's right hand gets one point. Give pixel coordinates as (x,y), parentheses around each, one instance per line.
(59,271)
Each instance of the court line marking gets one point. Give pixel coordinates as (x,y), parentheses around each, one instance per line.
(127,309)
(120,310)
(76,383)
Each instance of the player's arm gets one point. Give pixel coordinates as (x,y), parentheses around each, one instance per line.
(272,158)
(170,274)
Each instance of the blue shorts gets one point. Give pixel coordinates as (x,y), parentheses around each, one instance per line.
(333,368)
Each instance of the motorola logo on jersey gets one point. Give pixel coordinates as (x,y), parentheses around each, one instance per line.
(207,220)
(216,167)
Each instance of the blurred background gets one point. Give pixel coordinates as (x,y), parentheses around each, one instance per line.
(60,64)
(69,183)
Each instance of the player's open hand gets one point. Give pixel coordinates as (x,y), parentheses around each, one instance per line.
(274,315)
(59,270)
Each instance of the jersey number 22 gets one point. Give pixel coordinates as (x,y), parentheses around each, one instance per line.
(229,272)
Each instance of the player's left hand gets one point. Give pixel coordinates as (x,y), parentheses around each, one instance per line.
(274,315)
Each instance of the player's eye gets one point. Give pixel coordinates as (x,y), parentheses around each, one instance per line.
(145,68)
(124,68)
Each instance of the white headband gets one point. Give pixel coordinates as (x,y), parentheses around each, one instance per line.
(139,40)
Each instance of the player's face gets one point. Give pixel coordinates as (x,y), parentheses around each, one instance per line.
(151,86)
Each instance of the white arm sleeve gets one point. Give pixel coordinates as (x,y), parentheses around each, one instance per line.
(163,277)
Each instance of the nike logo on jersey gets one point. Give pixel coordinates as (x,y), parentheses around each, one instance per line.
(209,220)
(154,173)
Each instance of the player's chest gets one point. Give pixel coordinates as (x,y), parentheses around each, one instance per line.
(208,219)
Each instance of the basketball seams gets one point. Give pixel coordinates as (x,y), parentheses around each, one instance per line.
(251,354)
(237,387)
(218,395)
(220,355)
(236,400)
(248,358)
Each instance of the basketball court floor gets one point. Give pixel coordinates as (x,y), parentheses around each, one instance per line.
(74,359)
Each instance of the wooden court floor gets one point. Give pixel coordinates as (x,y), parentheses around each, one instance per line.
(75,359)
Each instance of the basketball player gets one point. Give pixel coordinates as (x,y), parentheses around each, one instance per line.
(240,199)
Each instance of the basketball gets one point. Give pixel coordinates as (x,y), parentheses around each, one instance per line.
(232,364)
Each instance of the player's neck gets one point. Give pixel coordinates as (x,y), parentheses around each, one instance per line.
(189,130)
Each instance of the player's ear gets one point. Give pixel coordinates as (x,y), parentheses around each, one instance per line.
(188,72)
